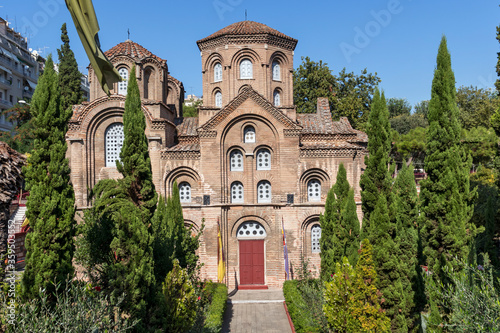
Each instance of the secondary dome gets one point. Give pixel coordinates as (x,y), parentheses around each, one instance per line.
(131,49)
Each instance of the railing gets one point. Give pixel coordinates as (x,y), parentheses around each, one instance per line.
(5,102)
(5,81)
(27,93)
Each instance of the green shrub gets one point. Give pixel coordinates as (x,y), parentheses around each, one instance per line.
(299,312)
(77,308)
(214,316)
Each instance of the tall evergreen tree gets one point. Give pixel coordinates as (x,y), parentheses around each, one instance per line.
(330,251)
(69,75)
(406,201)
(129,204)
(51,204)
(445,194)
(162,246)
(352,232)
(375,181)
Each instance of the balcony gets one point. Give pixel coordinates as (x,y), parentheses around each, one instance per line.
(5,82)
(5,103)
(28,93)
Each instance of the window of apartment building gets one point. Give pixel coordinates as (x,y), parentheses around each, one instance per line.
(122,85)
(237,192)
(315,237)
(263,191)
(19,84)
(236,158)
(113,143)
(11,99)
(246,70)
(218,72)
(185,192)
(263,159)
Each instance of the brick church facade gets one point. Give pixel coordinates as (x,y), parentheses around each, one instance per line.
(248,161)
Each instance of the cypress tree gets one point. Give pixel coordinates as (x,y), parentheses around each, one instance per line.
(69,75)
(329,242)
(341,187)
(162,246)
(351,223)
(51,204)
(445,194)
(375,181)
(406,201)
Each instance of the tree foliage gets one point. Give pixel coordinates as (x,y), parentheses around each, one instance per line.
(445,194)
(398,107)
(21,137)
(476,106)
(51,204)
(69,75)
(422,108)
(329,238)
(350,95)
(403,124)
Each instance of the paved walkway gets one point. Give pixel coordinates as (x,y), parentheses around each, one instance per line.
(256,311)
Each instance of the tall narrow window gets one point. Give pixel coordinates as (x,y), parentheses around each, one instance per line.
(314,190)
(218,72)
(185,192)
(246,70)
(218,99)
(113,143)
(276,97)
(122,85)
(264,191)
(236,159)
(276,71)
(249,134)
(315,237)
(263,159)
(237,192)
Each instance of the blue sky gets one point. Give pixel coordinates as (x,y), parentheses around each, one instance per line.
(396,39)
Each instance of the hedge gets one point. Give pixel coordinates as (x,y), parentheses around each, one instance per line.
(297,308)
(215,311)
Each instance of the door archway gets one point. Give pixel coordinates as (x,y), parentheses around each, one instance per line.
(251,236)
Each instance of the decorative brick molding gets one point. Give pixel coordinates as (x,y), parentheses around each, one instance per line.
(180,155)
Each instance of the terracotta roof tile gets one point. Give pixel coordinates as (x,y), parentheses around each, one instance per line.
(184,147)
(187,126)
(246,28)
(131,49)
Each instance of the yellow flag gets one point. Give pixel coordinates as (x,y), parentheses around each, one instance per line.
(83,14)
(221,268)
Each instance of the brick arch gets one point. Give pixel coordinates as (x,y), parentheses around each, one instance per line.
(247,118)
(314,173)
(305,235)
(211,61)
(181,174)
(280,57)
(242,54)
(264,220)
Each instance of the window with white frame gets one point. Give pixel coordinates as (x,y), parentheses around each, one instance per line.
(315,237)
(264,191)
(218,72)
(314,190)
(185,192)
(218,99)
(246,70)
(276,97)
(237,192)
(251,229)
(276,71)
(122,85)
(236,159)
(249,134)
(263,159)
(113,143)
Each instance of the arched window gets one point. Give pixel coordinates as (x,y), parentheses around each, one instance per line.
(276,97)
(236,159)
(251,229)
(263,159)
(113,143)
(218,99)
(218,72)
(314,190)
(249,134)
(122,85)
(185,192)
(264,191)
(276,71)
(315,237)
(246,71)
(237,192)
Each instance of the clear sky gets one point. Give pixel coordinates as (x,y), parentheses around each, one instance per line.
(396,39)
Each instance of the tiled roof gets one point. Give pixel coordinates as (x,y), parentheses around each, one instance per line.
(131,49)
(184,147)
(246,28)
(187,126)
(173,79)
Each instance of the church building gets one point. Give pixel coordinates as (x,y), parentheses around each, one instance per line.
(248,162)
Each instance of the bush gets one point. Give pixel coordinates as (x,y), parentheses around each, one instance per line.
(77,308)
(215,310)
(302,319)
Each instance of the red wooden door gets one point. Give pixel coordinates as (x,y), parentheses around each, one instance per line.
(252,261)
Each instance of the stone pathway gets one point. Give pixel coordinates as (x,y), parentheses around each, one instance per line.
(256,311)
